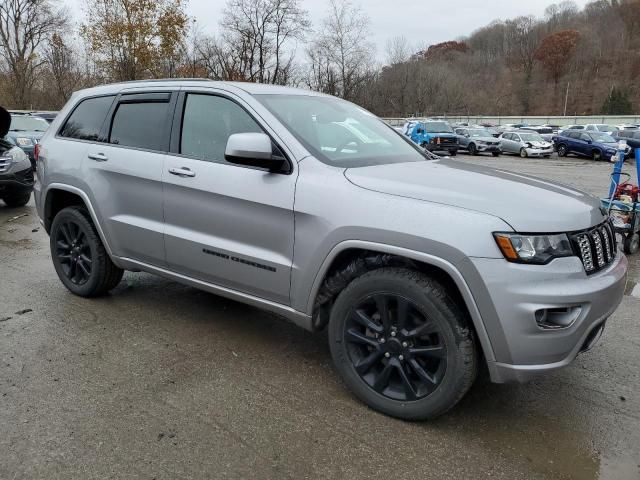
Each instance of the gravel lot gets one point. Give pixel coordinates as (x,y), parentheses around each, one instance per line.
(163,381)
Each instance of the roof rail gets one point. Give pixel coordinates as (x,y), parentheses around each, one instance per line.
(153,80)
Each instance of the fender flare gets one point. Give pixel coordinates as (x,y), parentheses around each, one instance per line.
(426,258)
(87,202)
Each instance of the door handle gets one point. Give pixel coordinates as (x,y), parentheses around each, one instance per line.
(98,157)
(182,172)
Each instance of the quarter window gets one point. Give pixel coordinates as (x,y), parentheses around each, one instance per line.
(208,121)
(141,125)
(86,120)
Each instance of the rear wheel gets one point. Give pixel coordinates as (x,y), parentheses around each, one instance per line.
(631,243)
(562,150)
(16,199)
(596,155)
(472,149)
(79,257)
(523,153)
(401,344)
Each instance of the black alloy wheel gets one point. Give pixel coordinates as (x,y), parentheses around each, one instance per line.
(73,252)
(394,348)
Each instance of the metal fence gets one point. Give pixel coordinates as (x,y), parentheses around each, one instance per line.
(532,120)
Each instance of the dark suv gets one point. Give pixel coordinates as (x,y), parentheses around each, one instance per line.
(16,174)
(595,145)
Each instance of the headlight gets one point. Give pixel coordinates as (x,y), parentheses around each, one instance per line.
(481,142)
(24,141)
(534,249)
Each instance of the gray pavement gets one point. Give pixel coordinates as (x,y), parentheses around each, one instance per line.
(158,380)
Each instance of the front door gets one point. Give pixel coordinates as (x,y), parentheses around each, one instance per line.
(226,224)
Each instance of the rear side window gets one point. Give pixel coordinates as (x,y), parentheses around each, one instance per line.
(207,123)
(141,125)
(86,120)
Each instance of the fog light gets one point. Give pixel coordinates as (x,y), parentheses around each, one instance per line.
(556,318)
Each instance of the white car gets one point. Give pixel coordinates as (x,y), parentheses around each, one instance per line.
(601,127)
(525,144)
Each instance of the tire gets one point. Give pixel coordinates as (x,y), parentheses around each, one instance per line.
(453,153)
(449,361)
(16,199)
(631,243)
(562,150)
(78,255)
(523,153)
(596,155)
(472,149)
(495,154)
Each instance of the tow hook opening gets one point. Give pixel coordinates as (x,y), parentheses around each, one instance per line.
(557,317)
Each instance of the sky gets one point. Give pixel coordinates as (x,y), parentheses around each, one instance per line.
(423,22)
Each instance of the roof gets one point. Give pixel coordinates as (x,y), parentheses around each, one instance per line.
(249,87)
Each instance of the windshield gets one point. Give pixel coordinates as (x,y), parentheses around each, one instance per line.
(606,128)
(25,123)
(602,137)
(437,127)
(340,133)
(531,137)
(479,133)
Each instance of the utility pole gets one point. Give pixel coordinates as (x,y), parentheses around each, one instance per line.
(566,99)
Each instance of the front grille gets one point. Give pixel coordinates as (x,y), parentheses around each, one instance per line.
(4,163)
(596,247)
(445,140)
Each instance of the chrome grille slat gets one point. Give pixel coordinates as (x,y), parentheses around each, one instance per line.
(4,164)
(596,247)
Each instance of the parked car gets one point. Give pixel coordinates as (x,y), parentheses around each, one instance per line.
(594,145)
(16,175)
(632,137)
(478,140)
(545,132)
(48,116)
(526,144)
(25,131)
(600,127)
(434,136)
(419,267)
(572,127)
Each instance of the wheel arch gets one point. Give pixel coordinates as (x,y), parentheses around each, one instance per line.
(342,256)
(59,196)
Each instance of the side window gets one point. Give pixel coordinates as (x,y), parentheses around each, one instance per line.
(141,125)
(86,120)
(585,137)
(515,137)
(207,123)
(506,136)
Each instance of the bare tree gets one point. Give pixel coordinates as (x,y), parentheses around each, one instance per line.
(259,38)
(62,66)
(24,26)
(398,50)
(343,48)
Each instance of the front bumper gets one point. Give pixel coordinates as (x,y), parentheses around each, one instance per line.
(488,148)
(519,293)
(442,147)
(17,181)
(539,152)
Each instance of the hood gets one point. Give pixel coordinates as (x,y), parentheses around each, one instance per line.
(483,139)
(539,144)
(526,203)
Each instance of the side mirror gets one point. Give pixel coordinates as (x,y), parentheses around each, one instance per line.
(253,150)
(589,142)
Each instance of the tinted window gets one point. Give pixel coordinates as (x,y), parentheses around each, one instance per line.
(86,120)
(574,134)
(141,125)
(208,121)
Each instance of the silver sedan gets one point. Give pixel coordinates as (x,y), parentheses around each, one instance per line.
(525,144)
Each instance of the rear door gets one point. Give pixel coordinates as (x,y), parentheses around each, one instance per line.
(226,224)
(125,174)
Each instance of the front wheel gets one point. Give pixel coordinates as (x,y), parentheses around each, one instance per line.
(596,155)
(562,150)
(495,154)
(523,153)
(401,345)
(472,149)
(631,243)
(78,255)
(453,153)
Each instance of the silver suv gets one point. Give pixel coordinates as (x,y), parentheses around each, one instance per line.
(311,207)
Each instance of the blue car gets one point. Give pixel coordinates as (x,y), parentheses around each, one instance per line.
(594,145)
(433,135)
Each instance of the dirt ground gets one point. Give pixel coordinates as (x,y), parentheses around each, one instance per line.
(159,380)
